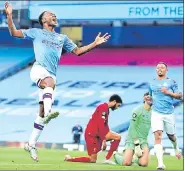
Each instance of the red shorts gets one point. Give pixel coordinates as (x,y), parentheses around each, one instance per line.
(93,144)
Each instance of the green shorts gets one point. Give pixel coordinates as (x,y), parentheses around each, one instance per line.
(130,145)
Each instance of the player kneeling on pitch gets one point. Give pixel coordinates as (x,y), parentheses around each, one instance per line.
(97,133)
(136,146)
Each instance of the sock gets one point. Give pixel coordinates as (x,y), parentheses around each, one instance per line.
(113,147)
(159,153)
(118,159)
(80,159)
(175,145)
(38,127)
(47,99)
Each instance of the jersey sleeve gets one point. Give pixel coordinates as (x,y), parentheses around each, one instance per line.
(69,46)
(29,33)
(175,87)
(102,121)
(135,114)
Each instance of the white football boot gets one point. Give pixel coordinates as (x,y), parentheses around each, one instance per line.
(178,154)
(109,162)
(162,167)
(67,157)
(32,151)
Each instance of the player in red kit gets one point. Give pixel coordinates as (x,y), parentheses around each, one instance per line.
(97,133)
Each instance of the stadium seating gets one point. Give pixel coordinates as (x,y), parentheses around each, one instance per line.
(14,59)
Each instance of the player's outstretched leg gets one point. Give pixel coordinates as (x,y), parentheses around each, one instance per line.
(88,159)
(174,142)
(32,151)
(159,150)
(115,140)
(37,130)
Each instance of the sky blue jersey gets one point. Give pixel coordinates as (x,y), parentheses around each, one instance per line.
(163,103)
(48,47)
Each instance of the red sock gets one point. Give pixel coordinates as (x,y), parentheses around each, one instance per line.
(113,147)
(80,159)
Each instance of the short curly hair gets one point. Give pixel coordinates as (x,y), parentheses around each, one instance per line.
(40,18)
(115,97)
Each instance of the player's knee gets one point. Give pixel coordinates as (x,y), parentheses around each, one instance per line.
(93,158)
(118,137)
(143,163)
(127,163)
(158,136)
(47,82)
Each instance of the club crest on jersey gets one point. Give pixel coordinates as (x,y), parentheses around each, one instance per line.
(134,115)
(103,115)
(59,38)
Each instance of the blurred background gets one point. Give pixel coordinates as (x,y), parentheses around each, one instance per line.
(143,33)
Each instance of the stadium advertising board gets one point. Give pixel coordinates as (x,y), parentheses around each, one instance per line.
(111,10)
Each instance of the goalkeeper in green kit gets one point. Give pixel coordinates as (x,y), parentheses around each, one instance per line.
(136,146)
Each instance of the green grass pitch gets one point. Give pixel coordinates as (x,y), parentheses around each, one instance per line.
(50,159)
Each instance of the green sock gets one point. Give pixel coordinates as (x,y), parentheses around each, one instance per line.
(118,159)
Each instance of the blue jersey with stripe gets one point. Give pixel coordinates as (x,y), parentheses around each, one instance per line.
(163,103)
(48,47)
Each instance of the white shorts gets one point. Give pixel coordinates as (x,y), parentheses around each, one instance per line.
(163,122)
(37,74)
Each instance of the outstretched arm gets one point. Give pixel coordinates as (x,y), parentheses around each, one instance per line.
(12,29)
(99,40)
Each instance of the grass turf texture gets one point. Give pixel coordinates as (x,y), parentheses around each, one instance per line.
(50,159)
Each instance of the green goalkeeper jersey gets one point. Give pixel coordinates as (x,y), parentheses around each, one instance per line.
(139,125)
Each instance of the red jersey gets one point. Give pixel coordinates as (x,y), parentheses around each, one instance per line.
(98,124)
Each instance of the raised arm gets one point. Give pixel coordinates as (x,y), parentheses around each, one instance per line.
(98,40)
(12,29)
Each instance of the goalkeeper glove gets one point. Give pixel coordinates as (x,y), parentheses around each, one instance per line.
(138,150)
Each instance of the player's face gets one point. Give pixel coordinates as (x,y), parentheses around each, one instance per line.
(161,70)
(148,100)
(116,106)
(50,19)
